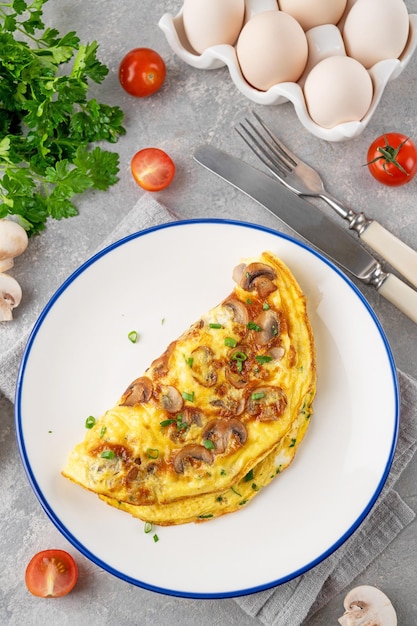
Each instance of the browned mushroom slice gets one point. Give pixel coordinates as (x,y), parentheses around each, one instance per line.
(171,399)
(269,326)
(220,432)
(239,309)
(267,403)
(178,428)
(139,391)
(161,364)
(252,272)
(204,368)
(192,452)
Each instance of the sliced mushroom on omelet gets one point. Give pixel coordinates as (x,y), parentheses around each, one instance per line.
(230,398)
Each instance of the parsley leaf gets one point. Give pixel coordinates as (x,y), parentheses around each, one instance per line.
(48,124)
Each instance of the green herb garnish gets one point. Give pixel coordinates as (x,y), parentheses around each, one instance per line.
(107,454)
(90,421)
(48,125)
(133,336)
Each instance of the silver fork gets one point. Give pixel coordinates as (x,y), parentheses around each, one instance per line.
(303,180)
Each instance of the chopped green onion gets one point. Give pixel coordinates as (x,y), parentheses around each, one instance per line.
(230,342)
(167,422)
(236,492)
(253,326)
(155,538)
(266,306)
(152,453)
(163,321)
(205,516)
(258,395)
(103,431)
(107,454)
(248,301)
(239,356)
(263,358)
(90,421)
(215,325)
(133,336)
(255,487)
(249,476)
(293,442)
(207,443)
(188,396)
(189,361)
(223,472)
(148,527)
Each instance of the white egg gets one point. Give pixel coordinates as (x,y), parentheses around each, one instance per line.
(375,30)
(212,22)
(272,48)
(311,13)
(338,90)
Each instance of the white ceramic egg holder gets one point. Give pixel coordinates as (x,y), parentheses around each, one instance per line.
(323,41)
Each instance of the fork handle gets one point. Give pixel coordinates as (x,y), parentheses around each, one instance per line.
(396,252)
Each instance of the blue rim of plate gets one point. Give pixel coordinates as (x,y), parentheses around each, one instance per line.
(85,551)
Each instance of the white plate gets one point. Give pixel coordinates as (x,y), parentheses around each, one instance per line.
(79,359)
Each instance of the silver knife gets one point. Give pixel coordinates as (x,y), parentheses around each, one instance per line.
(311,223)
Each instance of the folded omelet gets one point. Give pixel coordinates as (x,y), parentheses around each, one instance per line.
(218,415)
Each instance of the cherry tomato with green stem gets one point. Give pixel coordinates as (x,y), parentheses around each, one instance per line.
(153,169)
(392,159)
(51,574)
(142,72)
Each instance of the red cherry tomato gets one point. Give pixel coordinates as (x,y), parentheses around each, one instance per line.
(152,169)
(51,574)
(392,159)
(142,72)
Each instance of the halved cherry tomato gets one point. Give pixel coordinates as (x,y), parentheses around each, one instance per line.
(152,169)
(392,159)
(51,574)
(142,72)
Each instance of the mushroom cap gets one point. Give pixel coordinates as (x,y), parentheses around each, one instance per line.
(368,605)
(10,296)
(13,242)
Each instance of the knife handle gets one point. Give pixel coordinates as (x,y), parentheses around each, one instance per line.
(400,295)
(396,252)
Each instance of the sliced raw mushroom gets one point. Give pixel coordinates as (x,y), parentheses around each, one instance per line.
(239,309)
(10,297)
(267,403)
(204,369)
(139,391)
(366,605)
(13,242)
(220,432)
(254,271)
(269,328)
(189,453)
(171,399)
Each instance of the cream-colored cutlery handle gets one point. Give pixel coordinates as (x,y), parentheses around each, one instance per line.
(400,295)
(396,252)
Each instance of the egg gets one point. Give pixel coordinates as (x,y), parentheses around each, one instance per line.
(311,13)
(212,22)
(271,48)
(375,30)
(338,90)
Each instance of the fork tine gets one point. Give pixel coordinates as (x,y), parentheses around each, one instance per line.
(286,152)
(266,156)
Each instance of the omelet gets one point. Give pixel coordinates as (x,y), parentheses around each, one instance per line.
(217,415)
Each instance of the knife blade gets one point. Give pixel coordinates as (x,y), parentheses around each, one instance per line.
(311,223)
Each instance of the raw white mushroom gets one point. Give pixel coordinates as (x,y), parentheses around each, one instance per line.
(368,606)
(10,296)
(13,242)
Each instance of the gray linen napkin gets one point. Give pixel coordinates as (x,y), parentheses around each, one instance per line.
(290,603)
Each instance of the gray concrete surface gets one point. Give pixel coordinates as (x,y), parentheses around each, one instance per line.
(195,107)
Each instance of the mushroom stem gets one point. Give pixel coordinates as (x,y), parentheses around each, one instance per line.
(13,242)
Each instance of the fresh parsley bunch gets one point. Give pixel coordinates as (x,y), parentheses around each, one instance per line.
(47,123)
